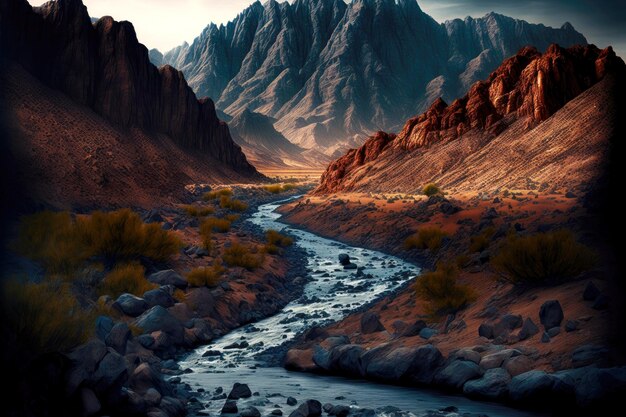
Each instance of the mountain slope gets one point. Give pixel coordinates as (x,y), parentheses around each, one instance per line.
(328,71)
(543,119)
(105,68)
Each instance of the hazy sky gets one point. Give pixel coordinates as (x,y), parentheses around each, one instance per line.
(164,24)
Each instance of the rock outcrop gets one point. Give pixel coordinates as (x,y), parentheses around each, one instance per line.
(528,87)
(103,66)
(329,72)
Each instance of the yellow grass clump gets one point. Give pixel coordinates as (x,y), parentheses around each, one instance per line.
(213,195)
(430,238)
(440,290)
(208,276)
(126,278)
(242,256)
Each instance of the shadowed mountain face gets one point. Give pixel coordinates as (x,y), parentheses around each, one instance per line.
(102,66)
(545,118)
(328,71)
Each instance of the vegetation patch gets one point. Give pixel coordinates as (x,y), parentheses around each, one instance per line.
(126,278)
(232,204)
(543,258)
(276,241)
(279,188)
(216,194)
(215,224)
(482,241)
(242,256)
(431,189)
(440,290)
(209,276)
(198,211)
(430,238)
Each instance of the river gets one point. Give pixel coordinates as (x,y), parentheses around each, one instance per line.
(331,293)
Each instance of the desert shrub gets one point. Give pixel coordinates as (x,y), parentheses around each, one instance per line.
(215,224)
(278,188)
(431,189)
(232,217)
(206,236)
(121,235)
(42,318)
(441,291)
(208,276)
(543,258)
(481,241)
(430,238)
(241,255)
(126,278)
(54,240)
(276,238)
(232,204)
(213,195)
(179,295)
(198,211)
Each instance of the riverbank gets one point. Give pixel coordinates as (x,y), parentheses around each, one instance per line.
(128,368)
(497,348)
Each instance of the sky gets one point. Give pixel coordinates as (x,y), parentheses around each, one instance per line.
(164,24)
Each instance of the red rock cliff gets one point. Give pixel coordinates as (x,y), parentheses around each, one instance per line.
(103,66)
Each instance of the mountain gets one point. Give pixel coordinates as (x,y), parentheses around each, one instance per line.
(107,76)
(329,72)
(266,147)
(544,119)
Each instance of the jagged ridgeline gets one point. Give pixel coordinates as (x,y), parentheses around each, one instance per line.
(329,71)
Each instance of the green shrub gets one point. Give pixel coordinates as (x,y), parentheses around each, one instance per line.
(42,318)
(481,241)
(122,236)
(430,238)
(126,278)
(431,189)
(213,195)
(208,276)
(232,204)
(241,255)
(440,290)
(198,211)
(543,258)
(54,240)
(216,225)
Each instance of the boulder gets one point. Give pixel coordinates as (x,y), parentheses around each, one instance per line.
(334,341)
(551,314)
(414,329)
(347,358)
(426,360)
(545,337)
(554,331)
(466,354)
(339,411)
(388,365)
(600,386)
(130,305)
(588,355)
(118,336)
(507,323)
(310,408)
(457,373)
(250,411)
(485,330)
(104,324)
(571,326)
(370,323)
(350,266)
(111,373)
(239,391)
(531,386)
(152,397)
(591,292)
(158,318)
(230,407)
(492,385)
(159,297)
(497,359)
(529,329)
(426,333)
(399,326)
(601,303)
(291,401)
(172,406)
(518,365)
(90,404)
(144,378)
(168,277)
(344,259)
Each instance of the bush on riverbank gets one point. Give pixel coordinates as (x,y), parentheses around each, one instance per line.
(480,242)
(232,204)
(242,256)
(430,238)
(213,195)
(198,211)
(279,188)
(126,278)
(543,258)
(440,290)
(208,276)
(276,241)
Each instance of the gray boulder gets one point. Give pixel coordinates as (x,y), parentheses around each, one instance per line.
(239,391)
(104,324)
(291,401)
(131,305)
(529,329)
(507,323)
(457,373)
(589,354)
(168,277)
(466,354)
(344,259)
(426,333)
(531,386)
(172,406)
(159,297)
(158,318)
(144,378)
(250,411)
(388,365)
(347,358)
(551,314)
(152,397)
(230,407)
(414,329)
(310,408)
(485,330)
(591,292)
(601,386)
(111,373)
(339,411)
(426,360)
(370,323)
(492,385)
(497,359)
(118,336)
